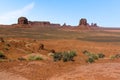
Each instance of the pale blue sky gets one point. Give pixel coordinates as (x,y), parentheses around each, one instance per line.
(103,12)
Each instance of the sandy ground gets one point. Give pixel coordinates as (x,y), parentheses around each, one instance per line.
(4,75)
(105,71)
(96,71)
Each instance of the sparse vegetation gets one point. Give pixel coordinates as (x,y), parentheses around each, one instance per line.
(92,57)
(57,56)
(101,55)
(116,56)
(33,58)
(22,59)
(65,56)
(90,60)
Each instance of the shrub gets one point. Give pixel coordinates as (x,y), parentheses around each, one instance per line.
(33,58)
(21,59)
(86,52)
(90,60)
(101,55)
(115,56)
(57,56)
(2,56)
(68,56)
(92,57)
(65,56)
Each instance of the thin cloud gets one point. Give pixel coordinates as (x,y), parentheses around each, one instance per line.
(11,16)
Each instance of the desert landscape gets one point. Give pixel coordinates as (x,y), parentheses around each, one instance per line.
(34,50)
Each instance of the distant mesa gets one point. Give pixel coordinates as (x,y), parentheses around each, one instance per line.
(83,21)
(83,25)
(22,23)
(22,20)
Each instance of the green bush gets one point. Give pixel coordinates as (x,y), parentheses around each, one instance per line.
(90,60)
(57,56)
(33,58)
(92,57)
(115,56)
(65,56)
(68,56)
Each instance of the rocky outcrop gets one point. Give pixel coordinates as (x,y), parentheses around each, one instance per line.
(22,23)
(83,25)
(22,20)
(83,21)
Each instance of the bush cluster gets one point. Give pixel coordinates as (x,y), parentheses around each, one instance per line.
(116,56)
(92,57)
(65,56)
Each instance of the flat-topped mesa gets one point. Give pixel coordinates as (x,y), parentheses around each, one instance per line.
(43,24)
(39,23)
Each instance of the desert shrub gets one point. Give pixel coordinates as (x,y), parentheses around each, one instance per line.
(22,59)
(85,51)
(65,56)
(90,60)
(101,55)
(68,56)
(115,56)
(92,57)
(33,58)
(2,56)
(57,56)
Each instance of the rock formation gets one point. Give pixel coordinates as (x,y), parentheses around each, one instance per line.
(22,23)
(22,20)
(83,21)
(64,25)
(83,25)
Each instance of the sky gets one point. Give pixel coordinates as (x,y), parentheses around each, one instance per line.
(105,13)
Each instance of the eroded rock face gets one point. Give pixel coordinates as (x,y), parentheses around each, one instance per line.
(22,20)
(83,21)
